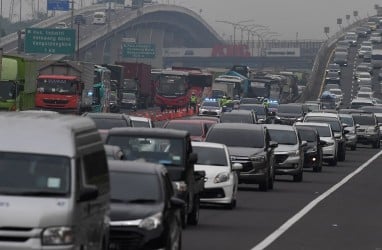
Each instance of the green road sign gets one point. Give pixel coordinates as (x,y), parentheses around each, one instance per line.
(50,41)
(138,50)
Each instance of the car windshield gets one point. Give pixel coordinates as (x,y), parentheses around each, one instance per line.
(336,91)
(210,104)
(140,124)
(133,187)
(364,120)
(332,74)
(210,156)
(260,110)
(307,135)
(334,66)
(313,106)
(289,109)
(195,129)
(347,120)
(103,123)
(234,117)
(283,136)
(24,174)
(323,131)
(363,95)
(237,137)
(151,149)
(334,123)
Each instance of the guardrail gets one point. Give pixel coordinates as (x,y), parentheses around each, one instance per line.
(315,83)
(50,21)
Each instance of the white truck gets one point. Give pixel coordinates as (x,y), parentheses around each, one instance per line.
(226,85)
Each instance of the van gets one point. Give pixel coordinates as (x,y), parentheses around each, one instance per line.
(99,17)
(54,183)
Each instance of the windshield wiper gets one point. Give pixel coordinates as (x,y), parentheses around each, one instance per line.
(118,200)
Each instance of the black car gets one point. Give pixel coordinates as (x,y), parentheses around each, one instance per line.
(171,148)
(334,67)
(341,58)
(313,149)
(250,145)
(144,214)
(261,111)
(290,113)
(332,77)
(238,116)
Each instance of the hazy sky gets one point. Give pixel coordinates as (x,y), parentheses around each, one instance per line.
(286,17)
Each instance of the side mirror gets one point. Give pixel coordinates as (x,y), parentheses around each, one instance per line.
(304,143)
(237,166)
(193,158)
(199,175)
(88,193)
(177,203)
(273,144)
(344,125)
(346,131)
(357,126)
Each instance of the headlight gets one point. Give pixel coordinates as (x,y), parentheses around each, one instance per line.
(221,177)
(312,150)
(329,143)
(294,153)
(371,130)
(181,186)
(57,236)
(151,222)
(258,159)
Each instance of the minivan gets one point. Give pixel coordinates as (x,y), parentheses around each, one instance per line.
(99,17)
(54,183)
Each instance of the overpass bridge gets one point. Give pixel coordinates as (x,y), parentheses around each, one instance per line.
(181,37)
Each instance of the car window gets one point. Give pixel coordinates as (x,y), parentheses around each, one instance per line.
(334,123)
(322,131)
(210,156)
(289,109)
(347,120)
(364,120)
(195,129)
(237,137)
(102,123)
(283,136)
(236,118)
(307,135)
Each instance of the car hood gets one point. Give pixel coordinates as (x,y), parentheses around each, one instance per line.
(211,170)
(244,152)
(132,211)
(40,212)
(289,115)
(286,148)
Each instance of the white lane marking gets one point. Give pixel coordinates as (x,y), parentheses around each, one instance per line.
(284,227)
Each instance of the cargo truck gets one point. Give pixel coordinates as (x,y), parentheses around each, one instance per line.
(17,83)
(65,87)
(137,80)
(116,80)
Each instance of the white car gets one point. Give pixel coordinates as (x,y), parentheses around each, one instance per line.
(364,50)
(376,37)
(367,95)
(61,25)
(364,78)
(329,150)
(221,180)
(339,96)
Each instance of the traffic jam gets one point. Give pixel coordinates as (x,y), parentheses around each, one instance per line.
(143,151)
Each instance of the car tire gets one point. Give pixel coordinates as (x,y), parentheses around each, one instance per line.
(174,240)
(333,162)
(193,217)
(377,144)
(298,177)
(342,153)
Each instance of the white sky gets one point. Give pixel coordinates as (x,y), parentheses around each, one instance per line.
(304,18)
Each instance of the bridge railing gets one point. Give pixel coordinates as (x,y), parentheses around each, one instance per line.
(315,83)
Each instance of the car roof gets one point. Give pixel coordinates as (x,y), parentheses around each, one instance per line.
(149,132)
(321,114)
(135,166)
(237,112)
(345,115)
(280,127)
(361,100)
(189,121)
(319,124)
(207,144)
(241,126)
(106,116)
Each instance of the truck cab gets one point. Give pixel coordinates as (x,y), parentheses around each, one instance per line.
(173,149)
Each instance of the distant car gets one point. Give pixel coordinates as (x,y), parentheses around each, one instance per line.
(330,86)
(367,95)
(80,19)
(364,78)
(341,58)
(361,32)
(61,25)
(222,182)
(351,137)
(143,122)
(313,105)
(239,116)
(210,107)
(361,102)
(368,131)
(334,67)
(313,150)
(261,111)
(197,128)
(289,154)
(364,50)
(332,77)
(144,210)
(361,68)
(290,113)
(376,37)
(351,38)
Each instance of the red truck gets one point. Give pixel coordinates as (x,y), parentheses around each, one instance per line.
(137,80)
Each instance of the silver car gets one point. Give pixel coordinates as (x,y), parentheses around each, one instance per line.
(289,154)
(351,136)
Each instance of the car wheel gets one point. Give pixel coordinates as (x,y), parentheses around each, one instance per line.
(342,153)
(298,177)
(193,217)
(333,162)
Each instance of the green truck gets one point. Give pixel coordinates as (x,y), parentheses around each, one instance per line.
(17,83)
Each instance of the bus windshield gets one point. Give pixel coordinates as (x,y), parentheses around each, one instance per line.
(56,86)
(171,85)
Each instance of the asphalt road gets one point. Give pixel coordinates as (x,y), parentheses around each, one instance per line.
(349,218)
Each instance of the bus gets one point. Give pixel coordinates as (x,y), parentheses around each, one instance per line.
(101,89)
